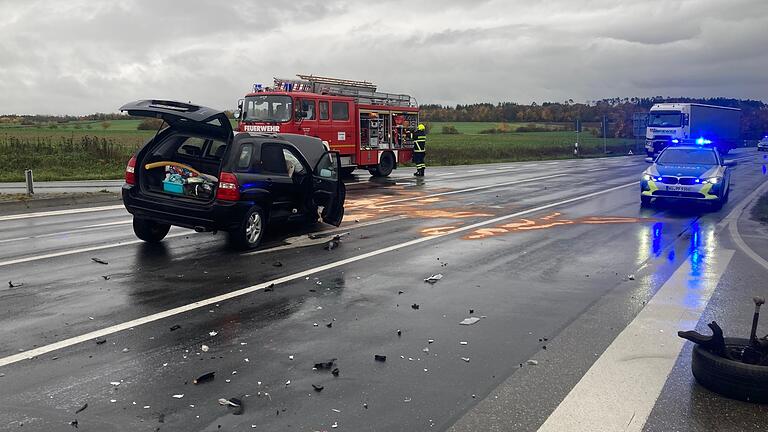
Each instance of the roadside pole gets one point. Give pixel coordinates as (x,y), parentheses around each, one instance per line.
(30,185)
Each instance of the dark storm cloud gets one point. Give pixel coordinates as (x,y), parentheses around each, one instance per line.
(83,56)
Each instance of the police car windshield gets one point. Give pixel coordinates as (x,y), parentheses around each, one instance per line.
(664,119)
(267,108)
(672,156)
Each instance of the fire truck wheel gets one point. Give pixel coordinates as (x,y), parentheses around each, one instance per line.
(730,378)
(385,166)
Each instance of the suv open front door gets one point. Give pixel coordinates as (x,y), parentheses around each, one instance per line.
(328,190)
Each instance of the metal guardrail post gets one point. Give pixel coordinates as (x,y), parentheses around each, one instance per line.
(29,180)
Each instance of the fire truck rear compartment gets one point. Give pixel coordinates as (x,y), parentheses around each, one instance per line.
(184,167)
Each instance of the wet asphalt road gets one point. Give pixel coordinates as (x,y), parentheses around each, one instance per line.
(543,249)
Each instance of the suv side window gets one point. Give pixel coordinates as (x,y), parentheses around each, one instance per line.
(293,163)
(273,159)
(244,159)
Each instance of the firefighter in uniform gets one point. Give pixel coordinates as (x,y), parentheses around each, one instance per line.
(420,150)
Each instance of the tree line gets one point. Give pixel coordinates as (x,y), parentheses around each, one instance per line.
(618,112)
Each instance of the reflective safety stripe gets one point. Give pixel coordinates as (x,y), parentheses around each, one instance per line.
(419,151)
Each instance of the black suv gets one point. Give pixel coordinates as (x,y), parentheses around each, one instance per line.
(196,173)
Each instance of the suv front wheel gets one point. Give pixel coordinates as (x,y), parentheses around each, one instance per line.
(150,231)
(249,233)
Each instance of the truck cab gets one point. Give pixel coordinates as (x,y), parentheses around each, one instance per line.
(692,124)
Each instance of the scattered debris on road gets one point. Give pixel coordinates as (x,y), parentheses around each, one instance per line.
(631,277)
(233,403)
(415,306)
(212,333)
(175,327)
(99,260)
(532,362)
(381,358)
(270,288)
(100,341)
(178,396)
(434,278)
(82,408)
(469,321)
(74,423)
(14,285)
(466,359)
(335,372)
(318,388)
(277,264)
(204,378)
(106,277)
(325,365)
(205,348)
(399,332)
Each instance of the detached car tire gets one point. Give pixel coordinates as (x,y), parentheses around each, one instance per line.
(150,231)
(249,233)
(730,378)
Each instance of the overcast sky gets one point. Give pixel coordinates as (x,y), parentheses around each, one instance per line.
(79,57)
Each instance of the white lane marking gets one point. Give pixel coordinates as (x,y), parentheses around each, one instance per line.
(476,170)
(238,293)
(80,250)
(60,212)
(550,163)
(444,174)
(620,389)
(60,233)
(123,222)
(474,188)
(733,224)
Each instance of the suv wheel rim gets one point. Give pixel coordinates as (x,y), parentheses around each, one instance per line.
(253,229)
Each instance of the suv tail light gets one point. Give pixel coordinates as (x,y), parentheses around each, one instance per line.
(130,171)
(228,189)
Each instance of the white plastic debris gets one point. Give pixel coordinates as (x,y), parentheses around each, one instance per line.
(469,321)
(113,400)
(335,410)
(205,348)
(290,357)
(335,425)
(631,277)
(434,278)
(287,383)
(532,362)
(426,350)
(146,407)
(463,343)
(178,396)
(213,333)
(466,359)
(430,341)
(247,360)
(227,402)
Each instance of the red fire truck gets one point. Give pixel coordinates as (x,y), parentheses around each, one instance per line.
(370,129)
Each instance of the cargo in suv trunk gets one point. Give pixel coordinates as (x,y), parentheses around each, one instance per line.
(183,160)
(183,166)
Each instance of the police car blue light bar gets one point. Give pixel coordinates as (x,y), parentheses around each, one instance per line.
(702,141)
(675,141)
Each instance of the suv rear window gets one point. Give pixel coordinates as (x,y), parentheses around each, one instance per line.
(192,146)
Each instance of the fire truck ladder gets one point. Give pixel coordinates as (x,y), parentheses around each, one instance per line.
(363,92)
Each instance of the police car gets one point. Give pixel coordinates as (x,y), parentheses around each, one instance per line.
(687,173)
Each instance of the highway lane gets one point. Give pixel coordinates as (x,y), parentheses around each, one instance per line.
(545,258)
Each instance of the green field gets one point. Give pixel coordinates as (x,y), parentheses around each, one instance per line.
(71,153)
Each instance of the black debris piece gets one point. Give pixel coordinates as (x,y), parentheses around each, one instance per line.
(74,423)
(271,287)
(415,306)
(277,264)
(331,245)
(318,388)
(204,378)
(82,408)
(312,290)
(325,365)
(99,260)
(106,277)
(14,285)
(544,347)
(239,408)
(399,292)
(365,405)
(100,341)
(471,311)
(161,418)
(335,372)
(379,357)
(399,332)
(330,324)
(175,327)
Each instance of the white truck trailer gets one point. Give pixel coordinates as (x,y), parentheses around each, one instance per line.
(690,123)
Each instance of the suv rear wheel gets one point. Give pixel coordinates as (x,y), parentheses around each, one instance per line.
(150,231)
(251,230)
